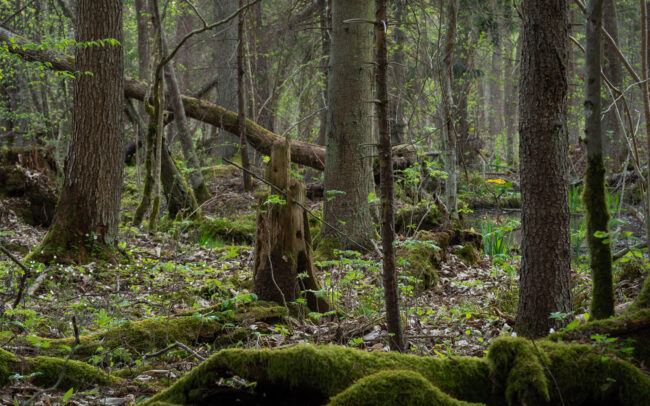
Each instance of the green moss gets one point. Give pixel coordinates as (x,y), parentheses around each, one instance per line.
(421,258)
(325,248)
(468,254)
(571,374)
(642,301)
(394,387)
(600,253)
(146,335)
(7,362)
(76,374)
(219,171)
(327,370)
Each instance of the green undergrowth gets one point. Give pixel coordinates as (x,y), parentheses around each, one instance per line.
(214,232)
(515,372)
(137,337)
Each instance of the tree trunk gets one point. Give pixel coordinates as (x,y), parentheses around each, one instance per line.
(225,65)
(545,282)
(283,246)
(600,253)
(391,293)
(348,163)
(142,8)
(397,117)
(447,104)
(88,211)
(241,101)
(195,177)
(613,142)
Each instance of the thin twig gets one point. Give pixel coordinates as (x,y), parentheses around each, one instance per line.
(23,279)
(171,347)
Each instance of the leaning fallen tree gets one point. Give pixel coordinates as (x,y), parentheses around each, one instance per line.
(258,137)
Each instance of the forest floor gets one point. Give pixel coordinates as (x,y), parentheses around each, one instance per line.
(177,271)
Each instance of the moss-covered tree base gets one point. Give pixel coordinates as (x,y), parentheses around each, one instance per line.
(515,372)
(60,246)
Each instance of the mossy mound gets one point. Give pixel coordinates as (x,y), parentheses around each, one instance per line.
(468,254)
(422,257)
(642,301)
(213,232)
(7,362)
(394,388)
(633,328)
(422,216)
(322,371)
(516,372)
(75,374)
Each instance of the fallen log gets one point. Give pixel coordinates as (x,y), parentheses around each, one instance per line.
(258,137)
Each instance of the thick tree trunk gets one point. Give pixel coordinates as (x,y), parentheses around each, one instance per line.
(88,211)
(142,9)
(348,165)
(545,284)
(600,253)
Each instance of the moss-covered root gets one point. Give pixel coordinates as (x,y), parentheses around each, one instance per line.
(642,301)
(517,366)
(394,388)
(76,374)
(570,374)
(7,363)
(325,371)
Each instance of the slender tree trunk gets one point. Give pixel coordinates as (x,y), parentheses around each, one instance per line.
(600,254)
(545,281)
(88,211)
(448,130)
(325,24)
(646,103)
(573,114)
(348,155)
(225,64)
(397,117)
(241,99)
(509,103)
(391,294)
(142,8)
(613,143)
(187,144)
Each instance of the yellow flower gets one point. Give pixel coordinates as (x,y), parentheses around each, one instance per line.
(498,181)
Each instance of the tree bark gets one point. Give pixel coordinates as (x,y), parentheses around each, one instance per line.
(348,164)
(397,117)
(391,293)
(545,282)
(225,65)
(88,212)
(600,253)
(241,101)
(448,130)
(613,142)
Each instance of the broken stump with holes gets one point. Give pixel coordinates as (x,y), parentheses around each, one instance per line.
(284,265)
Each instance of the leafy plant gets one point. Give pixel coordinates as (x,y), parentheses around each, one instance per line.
(498,239)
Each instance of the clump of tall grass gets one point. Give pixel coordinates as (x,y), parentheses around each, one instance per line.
(498,239)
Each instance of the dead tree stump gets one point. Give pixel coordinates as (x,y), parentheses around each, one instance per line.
(283,243)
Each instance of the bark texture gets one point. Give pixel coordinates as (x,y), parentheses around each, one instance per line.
(391,293)
(88,211)
(348,165)
(545,282)
(600,253)
(613,142)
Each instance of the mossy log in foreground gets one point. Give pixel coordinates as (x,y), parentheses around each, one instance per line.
(203,326)
(516,371)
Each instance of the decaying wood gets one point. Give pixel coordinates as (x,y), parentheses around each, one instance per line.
(283,246)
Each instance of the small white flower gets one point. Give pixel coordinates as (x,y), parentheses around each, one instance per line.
(55,257)
(513,334)
(551,331)
(94,237)
(86,234)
